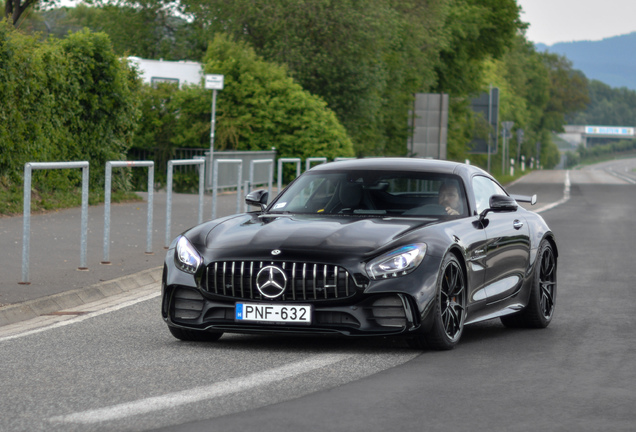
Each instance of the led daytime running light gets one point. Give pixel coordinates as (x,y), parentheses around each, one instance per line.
(397,263)
(187,258)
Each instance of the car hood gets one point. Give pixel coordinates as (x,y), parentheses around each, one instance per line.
(251,236)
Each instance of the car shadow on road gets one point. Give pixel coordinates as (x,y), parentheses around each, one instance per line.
(477,333)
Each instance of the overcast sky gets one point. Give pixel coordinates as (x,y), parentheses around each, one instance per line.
(554,21)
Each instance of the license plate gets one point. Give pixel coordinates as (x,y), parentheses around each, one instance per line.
(273,313)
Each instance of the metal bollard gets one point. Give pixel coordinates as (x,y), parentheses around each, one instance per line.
(26,225)
(171,163)
(107,198)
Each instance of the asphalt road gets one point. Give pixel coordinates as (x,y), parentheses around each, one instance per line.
(122,371)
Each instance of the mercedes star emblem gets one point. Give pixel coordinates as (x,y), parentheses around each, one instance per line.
(271,281)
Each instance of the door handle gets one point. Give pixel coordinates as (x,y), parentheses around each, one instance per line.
(517,224)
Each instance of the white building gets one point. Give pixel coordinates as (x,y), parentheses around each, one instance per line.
(178,72)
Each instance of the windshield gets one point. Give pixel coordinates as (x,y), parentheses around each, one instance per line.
(374,193)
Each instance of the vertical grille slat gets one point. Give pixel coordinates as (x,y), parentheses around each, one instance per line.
(251,285)
(305,281)
(223,281)
(242,278)
(335,280)
(293,282)
(324,281)
(232,283)
(216,287)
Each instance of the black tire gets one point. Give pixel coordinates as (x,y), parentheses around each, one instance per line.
(449,310)
(540,309)
(194,335)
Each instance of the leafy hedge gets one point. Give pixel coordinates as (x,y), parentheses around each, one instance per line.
(260,107)
(63,100)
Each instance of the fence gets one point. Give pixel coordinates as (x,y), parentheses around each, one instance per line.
(226,178)
(221,178)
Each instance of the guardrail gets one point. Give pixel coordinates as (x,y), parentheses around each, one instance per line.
(26,226)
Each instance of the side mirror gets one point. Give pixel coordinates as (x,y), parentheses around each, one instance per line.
(500,204)
(257,198)
(503,203)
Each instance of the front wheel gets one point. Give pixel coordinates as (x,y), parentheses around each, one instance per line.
(194,335)
(449,310)
(540,309)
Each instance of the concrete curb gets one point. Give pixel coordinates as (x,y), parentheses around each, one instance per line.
(14,313)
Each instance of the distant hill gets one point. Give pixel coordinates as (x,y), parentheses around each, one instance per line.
(611,60)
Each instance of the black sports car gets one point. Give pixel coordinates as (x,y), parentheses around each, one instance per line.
(387,246)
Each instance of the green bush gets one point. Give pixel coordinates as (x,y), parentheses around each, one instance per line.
(259,108)
(63,100)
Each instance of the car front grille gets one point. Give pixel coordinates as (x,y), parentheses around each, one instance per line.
(304,281)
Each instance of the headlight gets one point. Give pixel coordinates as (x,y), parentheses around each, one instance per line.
(187,257)
(396,263)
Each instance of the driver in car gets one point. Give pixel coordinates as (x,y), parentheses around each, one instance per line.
(448,198)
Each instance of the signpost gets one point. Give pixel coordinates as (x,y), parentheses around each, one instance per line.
(519,142)
(214,83)
(507,133)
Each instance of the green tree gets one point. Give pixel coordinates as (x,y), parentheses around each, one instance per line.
(474,30)
(259,108)
(145,28)
(333,49)
(14,10)
(63,100)
(607,106)
(568,91)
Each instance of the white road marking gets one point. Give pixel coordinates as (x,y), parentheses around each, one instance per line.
(623,177)
(198,394)
(566,195)
(61,321)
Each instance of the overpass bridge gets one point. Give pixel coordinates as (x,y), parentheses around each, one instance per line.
(587,135)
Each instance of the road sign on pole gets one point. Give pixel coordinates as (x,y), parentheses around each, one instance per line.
(214,83)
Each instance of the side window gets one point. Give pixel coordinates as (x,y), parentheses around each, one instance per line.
(484,188)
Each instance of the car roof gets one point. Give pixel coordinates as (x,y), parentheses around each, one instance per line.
(401,164)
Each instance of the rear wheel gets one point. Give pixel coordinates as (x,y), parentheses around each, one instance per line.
(194,335)
(449,310)
(540,309)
